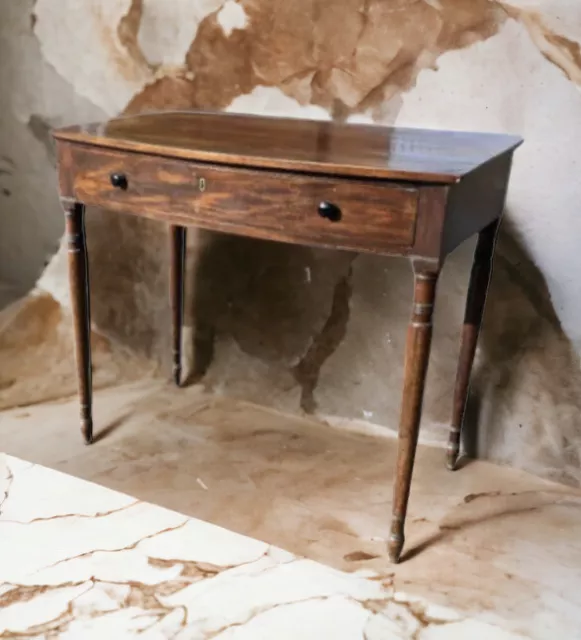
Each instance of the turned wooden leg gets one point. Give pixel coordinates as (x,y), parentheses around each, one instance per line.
(80,301)
(177,267)
(477,290)
(417,354)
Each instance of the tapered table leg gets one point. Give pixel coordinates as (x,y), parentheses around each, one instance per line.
(476,299)
(417,355)
(80,301)
(177,268)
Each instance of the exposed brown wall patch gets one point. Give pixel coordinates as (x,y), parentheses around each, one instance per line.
(121,43)
(128,31)
(344,55)
(556,48)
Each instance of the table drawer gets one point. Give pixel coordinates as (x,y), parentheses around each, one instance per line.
(362,215)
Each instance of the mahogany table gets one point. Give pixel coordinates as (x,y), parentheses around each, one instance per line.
(393,191)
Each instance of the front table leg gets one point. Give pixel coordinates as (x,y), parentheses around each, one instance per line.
(477,290)
(80,301)
(417,355)
(177,267)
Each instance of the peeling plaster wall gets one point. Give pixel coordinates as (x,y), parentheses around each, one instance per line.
(33,97)
(304,329)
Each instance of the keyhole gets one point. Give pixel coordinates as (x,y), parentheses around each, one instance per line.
(202,184)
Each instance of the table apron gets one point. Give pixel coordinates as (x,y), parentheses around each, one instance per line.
(376,216)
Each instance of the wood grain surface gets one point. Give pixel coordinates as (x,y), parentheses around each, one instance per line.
(264,204)
(299,145)
(81,307)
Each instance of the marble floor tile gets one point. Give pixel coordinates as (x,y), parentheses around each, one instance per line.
(78,560)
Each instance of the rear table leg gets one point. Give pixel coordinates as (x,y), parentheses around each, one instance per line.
(177,268)
(477,291)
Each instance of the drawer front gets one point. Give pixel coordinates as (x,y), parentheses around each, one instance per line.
(336,212)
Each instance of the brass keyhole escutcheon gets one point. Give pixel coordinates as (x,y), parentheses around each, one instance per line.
(202,184)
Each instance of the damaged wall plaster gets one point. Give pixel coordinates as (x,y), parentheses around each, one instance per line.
(323,332)
(33,97)
(232,16)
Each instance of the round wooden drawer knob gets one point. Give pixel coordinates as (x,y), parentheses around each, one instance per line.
(330,211)
(119,181)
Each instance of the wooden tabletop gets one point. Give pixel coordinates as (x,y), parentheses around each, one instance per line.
(395,153)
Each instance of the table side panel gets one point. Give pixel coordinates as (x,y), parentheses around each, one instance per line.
(377,216)
(476,201)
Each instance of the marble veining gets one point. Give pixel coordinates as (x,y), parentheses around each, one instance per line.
(78,560)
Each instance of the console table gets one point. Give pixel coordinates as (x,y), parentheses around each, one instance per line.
(394,191)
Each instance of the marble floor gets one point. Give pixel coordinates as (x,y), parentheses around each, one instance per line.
(495,547)
(78,560)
